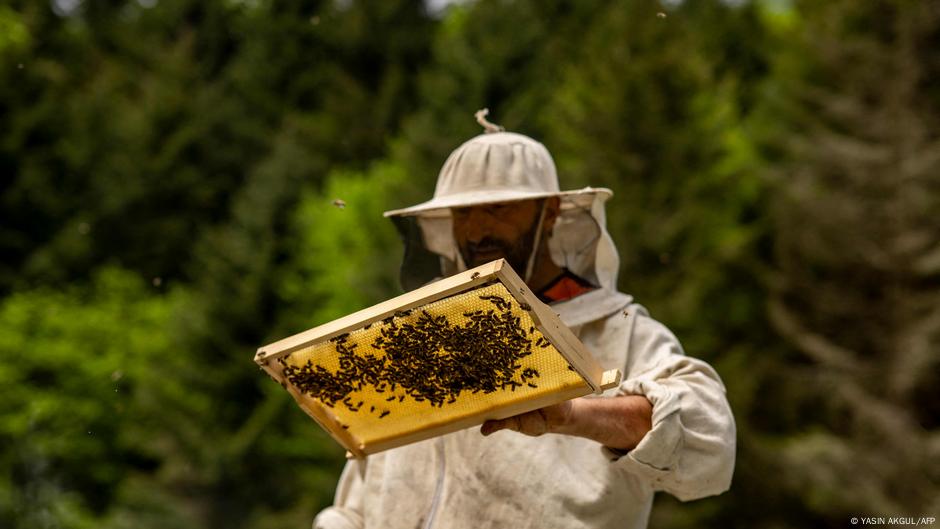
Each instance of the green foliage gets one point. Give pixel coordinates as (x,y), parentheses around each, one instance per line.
(651,119)
(345,255)
(86,373)
(13,32)
(174,141)
(855,256)
(133,131)
(171,200)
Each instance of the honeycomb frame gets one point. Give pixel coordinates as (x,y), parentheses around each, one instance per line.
(363,434)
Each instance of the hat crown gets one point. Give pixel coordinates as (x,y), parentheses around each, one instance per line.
(500,162)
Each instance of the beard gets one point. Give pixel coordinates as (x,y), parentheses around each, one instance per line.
(516,253)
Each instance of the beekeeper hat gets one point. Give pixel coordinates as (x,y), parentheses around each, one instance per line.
(495,167)
(504,167)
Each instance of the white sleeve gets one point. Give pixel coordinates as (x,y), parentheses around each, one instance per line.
(346,511)
(690,450)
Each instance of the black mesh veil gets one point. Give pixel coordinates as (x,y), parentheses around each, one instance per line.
(430,252)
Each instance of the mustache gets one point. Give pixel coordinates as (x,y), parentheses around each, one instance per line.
(487,245)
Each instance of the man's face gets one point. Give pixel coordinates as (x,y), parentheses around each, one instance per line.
(494,231)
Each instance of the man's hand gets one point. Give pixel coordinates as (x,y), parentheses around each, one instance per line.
(544,420)
(616,422)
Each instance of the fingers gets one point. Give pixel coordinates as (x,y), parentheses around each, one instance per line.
(492,426)
(532,423)
(496,425)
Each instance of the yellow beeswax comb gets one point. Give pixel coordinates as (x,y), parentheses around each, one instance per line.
(475,346)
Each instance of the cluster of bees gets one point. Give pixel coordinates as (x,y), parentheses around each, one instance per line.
(426,359)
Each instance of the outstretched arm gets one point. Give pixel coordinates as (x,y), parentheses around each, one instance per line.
(670,424)
(619,422)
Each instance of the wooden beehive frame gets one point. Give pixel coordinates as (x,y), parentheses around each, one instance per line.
(548,323)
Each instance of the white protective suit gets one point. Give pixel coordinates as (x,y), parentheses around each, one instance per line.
(465,480)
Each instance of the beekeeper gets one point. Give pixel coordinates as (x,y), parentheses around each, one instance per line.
(592,462)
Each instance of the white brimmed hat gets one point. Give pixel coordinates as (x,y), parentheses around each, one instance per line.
(496,167)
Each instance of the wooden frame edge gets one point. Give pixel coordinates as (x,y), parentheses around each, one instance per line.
(611,379)
(596,379)
(465,280)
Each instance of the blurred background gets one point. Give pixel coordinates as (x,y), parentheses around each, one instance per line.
(169,177)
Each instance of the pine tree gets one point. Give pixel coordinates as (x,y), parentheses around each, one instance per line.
(857,256)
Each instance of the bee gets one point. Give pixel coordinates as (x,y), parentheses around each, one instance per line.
(341,338)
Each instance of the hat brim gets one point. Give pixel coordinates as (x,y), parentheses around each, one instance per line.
(479,198)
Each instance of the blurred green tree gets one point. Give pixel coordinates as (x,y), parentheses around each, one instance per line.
(174,139)
(169,202)
(88,373)
(855,293)
(128,130)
